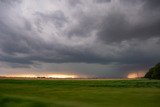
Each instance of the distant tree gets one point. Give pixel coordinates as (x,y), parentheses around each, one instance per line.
(154,72)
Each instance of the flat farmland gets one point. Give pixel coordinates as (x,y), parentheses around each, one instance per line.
(79,93)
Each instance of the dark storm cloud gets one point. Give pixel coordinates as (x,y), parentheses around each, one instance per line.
(12,41)
(102,1)
(116,28)
(124,32)
(152,4)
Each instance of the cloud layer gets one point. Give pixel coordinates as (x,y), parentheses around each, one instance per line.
(120,35)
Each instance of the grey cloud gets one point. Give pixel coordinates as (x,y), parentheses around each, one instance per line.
(13,41)
(84,27)
(12,60)
(102,1)
(116,28)
(152,4)
(148,4)
(74,2)
(131,2)
(57,18)
(128,40)
(10,2)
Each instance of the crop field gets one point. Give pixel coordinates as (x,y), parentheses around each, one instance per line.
(79,93)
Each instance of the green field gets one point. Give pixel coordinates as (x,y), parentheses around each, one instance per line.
(79,93)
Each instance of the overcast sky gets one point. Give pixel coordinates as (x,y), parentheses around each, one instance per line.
(93,38)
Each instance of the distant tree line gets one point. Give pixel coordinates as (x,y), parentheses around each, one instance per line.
(154,72)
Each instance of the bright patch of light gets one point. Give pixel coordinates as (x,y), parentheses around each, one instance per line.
(135,75)
(132,75)
(62,76)
(44,76)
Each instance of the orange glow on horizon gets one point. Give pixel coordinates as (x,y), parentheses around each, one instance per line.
(62,76)
(132,75)
(46,76)
(135,75)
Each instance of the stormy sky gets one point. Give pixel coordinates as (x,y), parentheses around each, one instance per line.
(93,38)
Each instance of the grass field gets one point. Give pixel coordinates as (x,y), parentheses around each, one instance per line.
(79,93)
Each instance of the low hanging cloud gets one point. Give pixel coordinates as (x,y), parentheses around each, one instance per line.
(119,34)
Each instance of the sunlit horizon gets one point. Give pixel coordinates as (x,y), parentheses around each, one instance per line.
(132,75)
(42,76)
(135,75)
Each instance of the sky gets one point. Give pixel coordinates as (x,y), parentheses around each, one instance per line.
(86,38)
